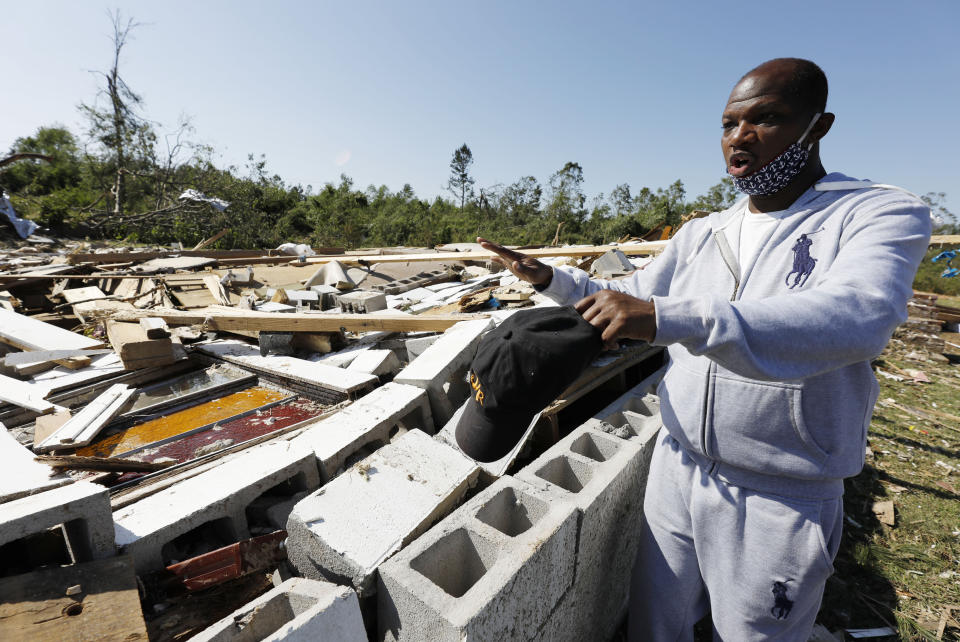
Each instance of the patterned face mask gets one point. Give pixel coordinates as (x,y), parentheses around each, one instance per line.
(777,174)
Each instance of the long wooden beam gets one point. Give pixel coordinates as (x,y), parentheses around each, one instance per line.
(480,255)
(123,257)
(300,322)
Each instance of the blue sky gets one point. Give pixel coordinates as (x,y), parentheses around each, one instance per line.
(385,91)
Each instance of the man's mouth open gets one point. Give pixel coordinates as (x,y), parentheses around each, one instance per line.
(740,165)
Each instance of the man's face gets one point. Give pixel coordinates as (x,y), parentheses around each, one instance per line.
(759,123)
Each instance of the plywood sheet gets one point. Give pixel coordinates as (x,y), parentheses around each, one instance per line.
(35,606)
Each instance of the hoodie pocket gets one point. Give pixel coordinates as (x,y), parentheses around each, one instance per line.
(681,395)
(760,427)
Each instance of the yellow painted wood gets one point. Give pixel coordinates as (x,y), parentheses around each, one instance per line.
(182,421)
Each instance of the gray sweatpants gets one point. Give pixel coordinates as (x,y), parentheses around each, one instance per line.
(759,562)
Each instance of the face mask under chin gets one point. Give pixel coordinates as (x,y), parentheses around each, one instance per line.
(777,174)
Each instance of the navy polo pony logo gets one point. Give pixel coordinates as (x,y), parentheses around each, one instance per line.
(803,263)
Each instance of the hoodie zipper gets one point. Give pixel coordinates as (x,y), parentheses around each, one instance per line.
(726,252)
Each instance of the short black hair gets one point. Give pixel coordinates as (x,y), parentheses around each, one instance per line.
(807,84)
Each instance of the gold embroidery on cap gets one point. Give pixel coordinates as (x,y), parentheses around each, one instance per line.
(476,385)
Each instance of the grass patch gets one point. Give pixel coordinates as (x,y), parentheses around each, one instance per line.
(905,575)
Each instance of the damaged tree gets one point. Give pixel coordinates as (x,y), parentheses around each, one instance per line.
(124,134)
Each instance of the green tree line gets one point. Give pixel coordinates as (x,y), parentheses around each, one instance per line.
(122,178)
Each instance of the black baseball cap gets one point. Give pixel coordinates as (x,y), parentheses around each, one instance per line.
(520,367)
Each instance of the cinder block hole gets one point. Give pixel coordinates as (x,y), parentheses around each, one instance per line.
(456,561)
(411,420)
(594,447)
(363,452)
(568,474)
(207,537)
(258,520)
(46,548)
(456,388)
(633,421)
(512,512)
(266,619)
(640,406)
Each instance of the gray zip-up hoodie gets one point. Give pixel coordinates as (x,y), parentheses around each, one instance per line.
(769,384)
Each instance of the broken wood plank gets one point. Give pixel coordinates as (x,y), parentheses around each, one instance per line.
(122,257)
(35,606)
(24,395)
(231,562)
(155,328)
(136,349)
(216,289)
(21,475)
(301,321)
(654,247)
(81,429)
(25,333)
(104,464)
(35,356)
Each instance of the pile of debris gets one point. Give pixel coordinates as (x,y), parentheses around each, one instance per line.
(234,444)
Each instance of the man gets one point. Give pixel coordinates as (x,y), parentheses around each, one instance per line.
(771,312)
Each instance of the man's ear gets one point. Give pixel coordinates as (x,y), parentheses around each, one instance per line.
(822,126)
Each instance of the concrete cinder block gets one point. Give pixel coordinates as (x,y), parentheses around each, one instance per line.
(490,470)
(416,345)
(613,261)
(329,296)
(368,423)
(82,507)
(495,569)
(441,369)
(217,498)
(633,415)
(603,477)
(344,531)
(299,610)
(376,362)
(363,301)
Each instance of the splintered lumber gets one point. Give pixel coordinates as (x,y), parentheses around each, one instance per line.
(136,349)
(216,289)
(25,333)
(155,328)
(87,424)
(301,321)
(32,356)
(81,300)
(21,475)
(24,395)
(482,255)
(213,239)
(104,464)
(239,255)
(35,606)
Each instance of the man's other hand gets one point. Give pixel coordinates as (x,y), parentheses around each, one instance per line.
(619,316)
(524,267)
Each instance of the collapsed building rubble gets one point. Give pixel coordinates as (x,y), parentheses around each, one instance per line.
(181,424)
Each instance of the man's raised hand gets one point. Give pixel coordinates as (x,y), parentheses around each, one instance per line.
(524,267)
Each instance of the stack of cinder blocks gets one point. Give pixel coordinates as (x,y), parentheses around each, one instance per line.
(344,531)
(543,555)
